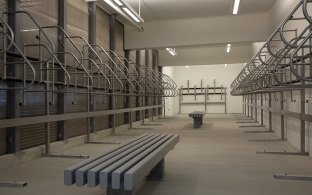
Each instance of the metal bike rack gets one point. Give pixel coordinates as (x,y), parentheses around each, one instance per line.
(283,64)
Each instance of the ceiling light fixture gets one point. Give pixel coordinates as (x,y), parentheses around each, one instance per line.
(187,67)
(128,10)
(235,8)
(228,48)
(225,65)
(171,51)
(119,3)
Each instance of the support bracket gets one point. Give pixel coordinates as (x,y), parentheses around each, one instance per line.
(13,184)
(284,153)
(293,177)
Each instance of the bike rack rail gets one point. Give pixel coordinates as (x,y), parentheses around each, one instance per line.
(284,62)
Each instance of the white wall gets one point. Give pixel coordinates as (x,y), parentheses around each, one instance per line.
(223,75)
(216,54)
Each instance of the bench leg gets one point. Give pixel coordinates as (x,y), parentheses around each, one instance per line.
(158,172)
(201,120)
(197,122)
(111,191)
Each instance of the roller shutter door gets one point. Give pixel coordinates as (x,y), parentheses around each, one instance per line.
(102,103)
(102,28)
(102,39)
(77,25)
(33,135)
(120,52)
(26,29)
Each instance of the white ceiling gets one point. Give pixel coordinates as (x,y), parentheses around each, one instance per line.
(152,10)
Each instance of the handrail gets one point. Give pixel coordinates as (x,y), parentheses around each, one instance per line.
(8,36)
(97,57)
(276,70)
(116,56)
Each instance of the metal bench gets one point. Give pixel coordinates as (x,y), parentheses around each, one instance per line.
(120,170)
(198,118)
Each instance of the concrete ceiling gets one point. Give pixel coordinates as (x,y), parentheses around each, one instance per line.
(203,26)
(152,10)
(205,55)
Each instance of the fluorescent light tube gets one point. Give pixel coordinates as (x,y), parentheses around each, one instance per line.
(225,65)
(236,5)
(186,67)
(119,3)
(29,30)
(167,49)
(172,53)
(228,48)
(112,5)
(131,14)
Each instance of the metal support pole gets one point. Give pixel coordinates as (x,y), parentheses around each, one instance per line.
(248,110)
(244,105)
(147,58)
(92,41)
(225,107)
(13,96)
(302,122)
(255,106)
(270,112)
(160,98)
(205,92)
(155,69)
(282,116)
(112,98)
(137,100)
(262,122)
(47,112)
(62,22)
(251,108)
(128,115)
(180,98)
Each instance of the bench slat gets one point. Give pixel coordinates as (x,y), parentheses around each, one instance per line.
(142,168)
(93,174)
(120,167)
(69,173)
(118,173)
(81,173)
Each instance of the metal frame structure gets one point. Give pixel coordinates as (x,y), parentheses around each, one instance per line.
(282,65)
(202,91)
(79,64)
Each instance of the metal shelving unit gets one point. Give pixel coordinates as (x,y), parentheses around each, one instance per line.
(207,92)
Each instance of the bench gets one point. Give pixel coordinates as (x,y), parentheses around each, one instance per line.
(122,169)
(198,118)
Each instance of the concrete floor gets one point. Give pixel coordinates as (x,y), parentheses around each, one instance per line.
(216,159)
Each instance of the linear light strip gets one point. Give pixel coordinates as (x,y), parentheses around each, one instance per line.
(236,5)
(228,48)
(171,51)
(131,14)
(119,3)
